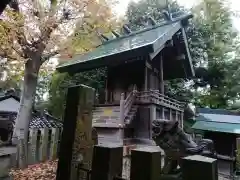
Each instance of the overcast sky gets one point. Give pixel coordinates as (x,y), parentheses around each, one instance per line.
(234,4)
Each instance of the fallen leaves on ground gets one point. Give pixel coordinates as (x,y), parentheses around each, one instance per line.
(42,171)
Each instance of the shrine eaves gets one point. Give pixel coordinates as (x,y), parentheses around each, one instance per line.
(144,44)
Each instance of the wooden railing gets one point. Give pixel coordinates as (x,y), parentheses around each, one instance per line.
(126,104)
(153,96)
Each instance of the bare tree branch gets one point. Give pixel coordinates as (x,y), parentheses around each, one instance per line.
(47,56)
(18,52)
(20,34)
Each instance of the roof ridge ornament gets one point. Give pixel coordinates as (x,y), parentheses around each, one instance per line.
(104,38)
(116,34)
(167,15)
(126,29)
(151,21)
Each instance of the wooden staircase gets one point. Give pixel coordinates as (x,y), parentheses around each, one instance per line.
(119,123)
(109,117)
(131,115)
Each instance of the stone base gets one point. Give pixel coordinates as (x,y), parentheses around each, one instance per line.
(6,161)
(6,178)
(198,167)
(171,176)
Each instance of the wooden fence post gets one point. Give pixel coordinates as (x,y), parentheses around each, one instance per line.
(43,144)
(54,143)
(32,155)
(238,156)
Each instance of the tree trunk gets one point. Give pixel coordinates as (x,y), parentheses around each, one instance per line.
(20,134)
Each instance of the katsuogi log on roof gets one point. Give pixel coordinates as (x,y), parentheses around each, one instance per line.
(167,39)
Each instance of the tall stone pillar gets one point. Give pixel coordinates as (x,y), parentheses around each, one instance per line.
(76,142)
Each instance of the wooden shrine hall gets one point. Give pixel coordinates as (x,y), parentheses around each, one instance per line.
(137,64)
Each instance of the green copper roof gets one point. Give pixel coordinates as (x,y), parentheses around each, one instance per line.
(129,46)
(217,127)
(144,40)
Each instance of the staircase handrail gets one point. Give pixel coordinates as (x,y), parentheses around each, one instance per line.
(126,104)
(129,102)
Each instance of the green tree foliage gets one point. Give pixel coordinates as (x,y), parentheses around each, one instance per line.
(213,43)
(213,48)
(34,31)
(86,38)
(138,12)
(61,81)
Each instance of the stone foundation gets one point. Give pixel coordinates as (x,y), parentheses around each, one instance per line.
(6,161)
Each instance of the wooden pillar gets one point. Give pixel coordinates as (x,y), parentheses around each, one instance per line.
(199,167)
(122,102)
(54,143)
(145,164)
(161,76)
(170,114)
(163,113)
(182,120)
(146,78)
(238,156)
(76,136)
(153,114)
(32,154)
(43,144)
(107,162)
(106,91)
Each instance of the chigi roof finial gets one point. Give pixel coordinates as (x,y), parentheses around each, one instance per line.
(126,29)
(151,21)
(167,12)
(105,38)
(116,34)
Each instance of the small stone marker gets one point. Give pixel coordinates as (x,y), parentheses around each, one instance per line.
(199,168)
(107,162)
(145,164)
